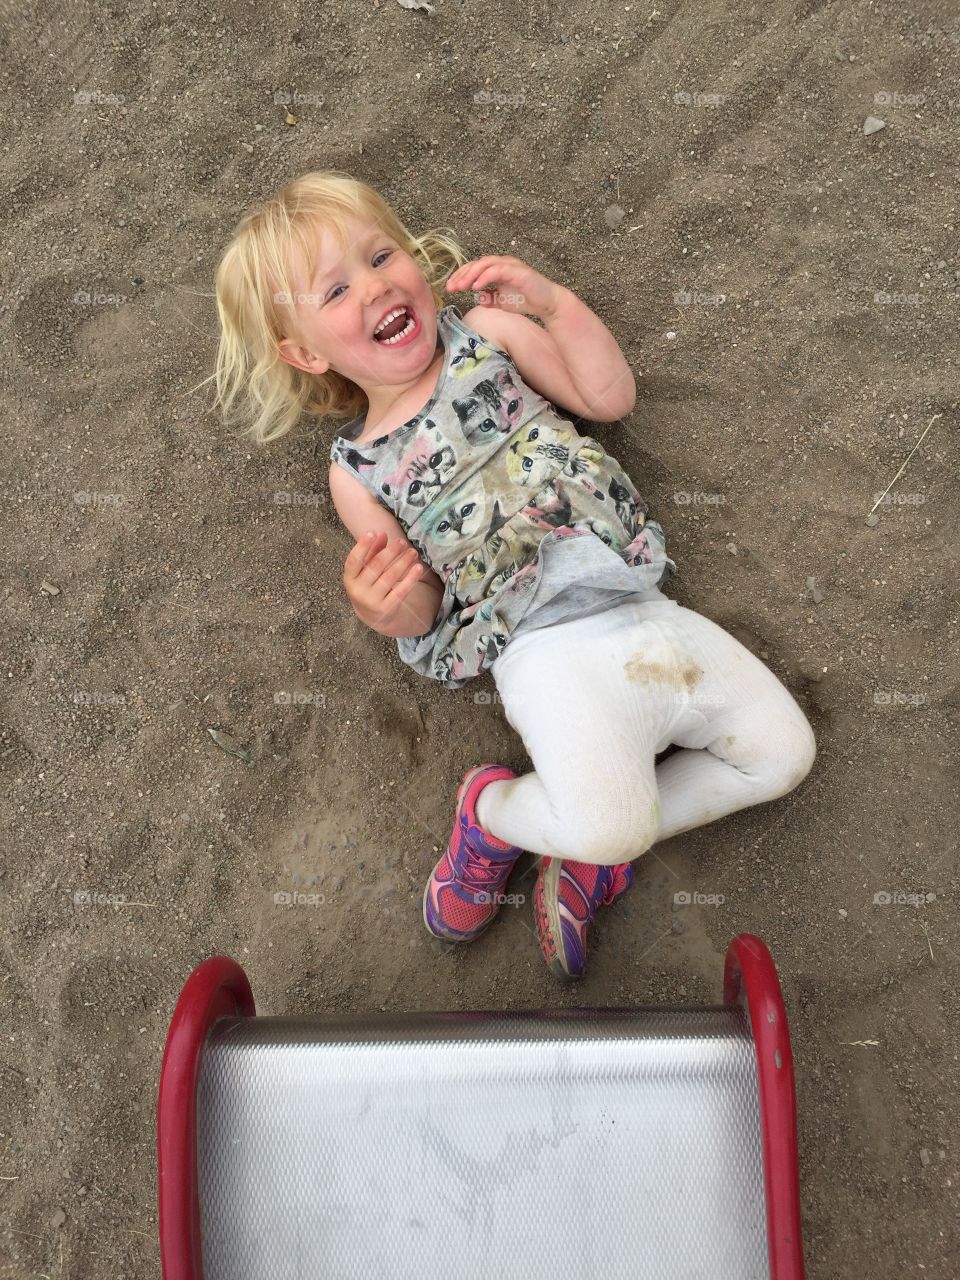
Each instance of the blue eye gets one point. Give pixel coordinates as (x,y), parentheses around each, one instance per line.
(384,253)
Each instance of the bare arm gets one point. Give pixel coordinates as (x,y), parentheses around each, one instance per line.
(361,513)
(573,361)
(597,366)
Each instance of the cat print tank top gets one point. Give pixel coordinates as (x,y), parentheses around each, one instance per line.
(526,521)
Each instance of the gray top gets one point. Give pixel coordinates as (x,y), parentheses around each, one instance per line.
(527,522)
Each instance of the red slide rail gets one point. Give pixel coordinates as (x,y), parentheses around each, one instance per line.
(217,988)
(750,979)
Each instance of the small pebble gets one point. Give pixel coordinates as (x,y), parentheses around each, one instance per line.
(732,548)
(873,125)
(843,914)
(49,588)
(872,519)
(57,1218)
(924,1156)
(670,335)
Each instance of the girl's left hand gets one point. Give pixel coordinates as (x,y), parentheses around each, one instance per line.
(507,283)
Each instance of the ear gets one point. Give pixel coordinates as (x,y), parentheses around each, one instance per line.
(301,358)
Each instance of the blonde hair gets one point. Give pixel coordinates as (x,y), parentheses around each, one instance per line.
(253,289)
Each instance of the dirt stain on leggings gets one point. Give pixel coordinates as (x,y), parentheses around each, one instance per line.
(682,675)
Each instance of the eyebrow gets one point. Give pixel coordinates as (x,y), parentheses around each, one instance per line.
(368,239)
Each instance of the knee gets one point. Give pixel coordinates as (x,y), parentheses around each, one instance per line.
(796,752)
(606,834)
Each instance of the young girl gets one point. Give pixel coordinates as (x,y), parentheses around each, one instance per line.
(490,534)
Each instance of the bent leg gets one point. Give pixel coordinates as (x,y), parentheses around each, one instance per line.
(752,745)
(592,735)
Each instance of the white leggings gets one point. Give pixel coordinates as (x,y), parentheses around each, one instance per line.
(596,699)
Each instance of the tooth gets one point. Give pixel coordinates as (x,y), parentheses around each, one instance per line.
(392,316)
(386,342)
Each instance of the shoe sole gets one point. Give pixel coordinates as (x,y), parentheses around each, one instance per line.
(550,903)
(461,791)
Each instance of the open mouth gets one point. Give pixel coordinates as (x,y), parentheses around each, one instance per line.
(399,331)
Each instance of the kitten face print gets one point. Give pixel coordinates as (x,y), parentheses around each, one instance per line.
(469,358)
(492,408)
(422,471)
(450,523)
(533,456)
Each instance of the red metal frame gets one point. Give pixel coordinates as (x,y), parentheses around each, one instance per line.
(750,979)
(217,988)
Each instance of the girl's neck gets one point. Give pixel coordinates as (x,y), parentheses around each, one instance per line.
(389,416)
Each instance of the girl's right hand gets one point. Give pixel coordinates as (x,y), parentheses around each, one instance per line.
(378,575)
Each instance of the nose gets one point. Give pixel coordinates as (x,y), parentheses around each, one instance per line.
(377,285)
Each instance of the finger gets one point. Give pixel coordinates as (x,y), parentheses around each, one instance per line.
(462,278)
(390,571)
(369,554)
(362,552)
(388,565)
(400,590)
(493,277)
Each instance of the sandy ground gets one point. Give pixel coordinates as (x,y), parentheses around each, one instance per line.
(786,290)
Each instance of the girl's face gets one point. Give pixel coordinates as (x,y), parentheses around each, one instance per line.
(344,295)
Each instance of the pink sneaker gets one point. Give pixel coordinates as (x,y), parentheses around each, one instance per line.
(565,898)
(463,894)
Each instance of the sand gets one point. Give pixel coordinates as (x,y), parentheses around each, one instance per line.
(786,291)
